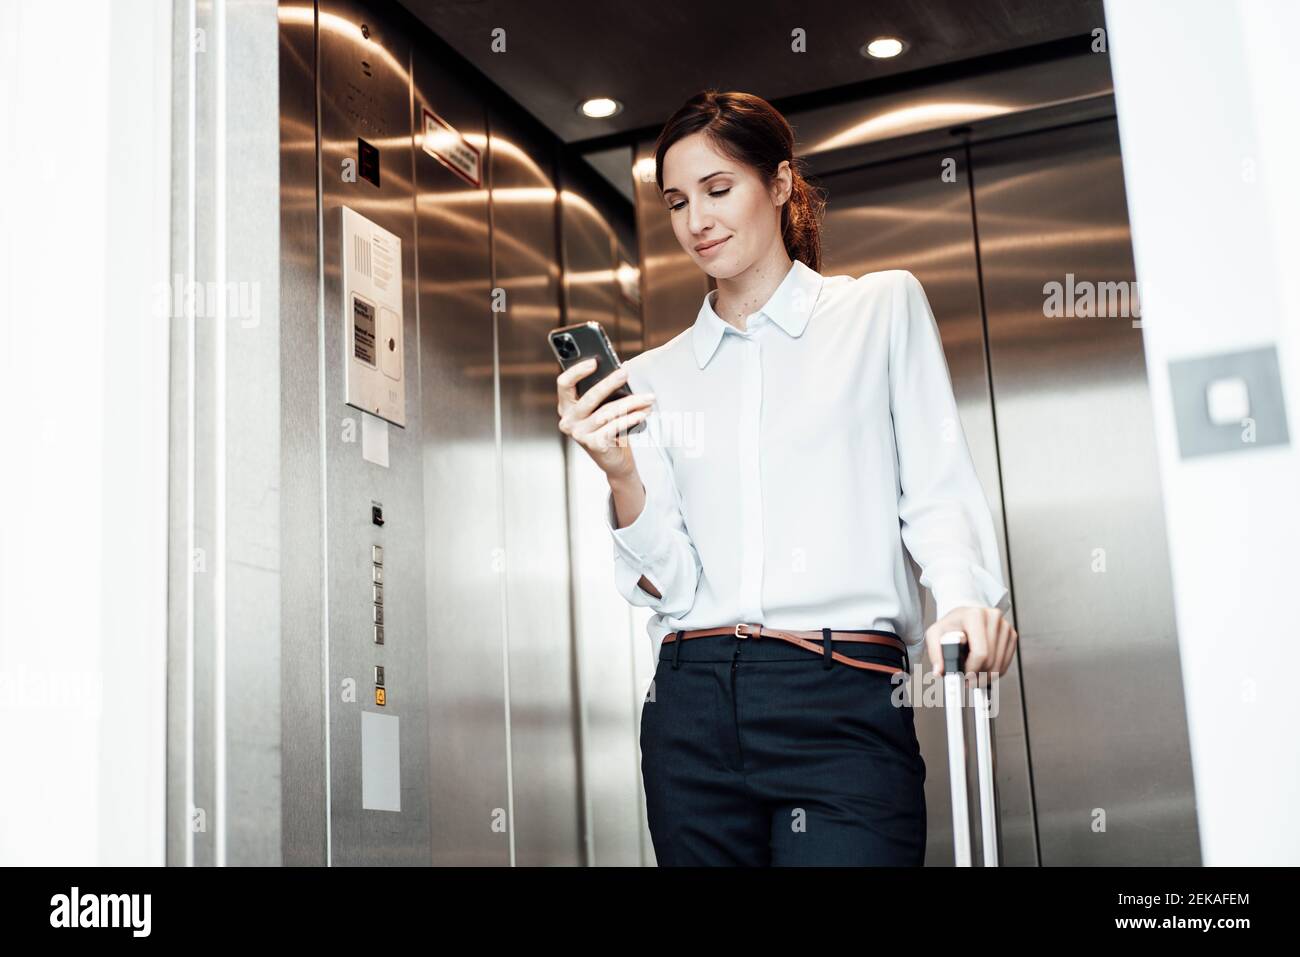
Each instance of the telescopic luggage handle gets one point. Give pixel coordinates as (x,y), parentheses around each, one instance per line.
(954,660)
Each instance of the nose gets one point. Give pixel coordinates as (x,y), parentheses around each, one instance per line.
(696,221)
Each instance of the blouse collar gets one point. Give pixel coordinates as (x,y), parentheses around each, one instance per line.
(790,307)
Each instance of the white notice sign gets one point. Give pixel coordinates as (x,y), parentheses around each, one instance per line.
(443,142)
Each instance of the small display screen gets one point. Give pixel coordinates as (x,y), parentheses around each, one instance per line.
(363,331)
(368,161)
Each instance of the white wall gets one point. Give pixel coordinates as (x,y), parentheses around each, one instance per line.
(84,227)
(1206,92)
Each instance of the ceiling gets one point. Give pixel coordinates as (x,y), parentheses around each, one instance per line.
(653,56)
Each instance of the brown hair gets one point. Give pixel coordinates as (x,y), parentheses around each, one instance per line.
(750,130)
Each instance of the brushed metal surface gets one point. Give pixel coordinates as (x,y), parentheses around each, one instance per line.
(905,215)
(627,295)
(249,271)
(535,546)
(223,802)
(181,840)
(994,104)
(672,286)
(364,87)
(1103,693)
(590,259)
(205,462)
(270,675)
(606,653)
(304,819)
(464,628)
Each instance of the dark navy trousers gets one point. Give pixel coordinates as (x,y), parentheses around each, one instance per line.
(755,753)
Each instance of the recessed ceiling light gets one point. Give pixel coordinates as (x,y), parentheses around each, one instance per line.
(600,107)
(882,48)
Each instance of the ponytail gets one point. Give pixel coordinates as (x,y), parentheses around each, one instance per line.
(801,219)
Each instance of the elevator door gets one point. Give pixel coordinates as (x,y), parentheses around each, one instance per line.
(915,214)
(1093,765)
(1102,683)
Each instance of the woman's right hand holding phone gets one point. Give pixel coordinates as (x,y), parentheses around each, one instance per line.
(596,427)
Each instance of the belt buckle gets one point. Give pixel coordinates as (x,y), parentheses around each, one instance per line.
(741,625)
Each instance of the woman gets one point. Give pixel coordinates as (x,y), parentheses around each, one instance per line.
(805,432)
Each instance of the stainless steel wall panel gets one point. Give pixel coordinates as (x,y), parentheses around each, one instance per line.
(224,642)
(672,285)
(364,87)
(248,274)
(205,463)
(304,818)
(464,627)
(907,122)
(545,820)
(628,322)
(181,743)
(609,692)
(1099,655)
(905,215)
(590,293)
(270,677)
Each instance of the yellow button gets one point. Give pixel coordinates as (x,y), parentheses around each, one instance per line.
(380,696)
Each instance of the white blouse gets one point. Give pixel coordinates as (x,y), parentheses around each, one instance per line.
(786,467)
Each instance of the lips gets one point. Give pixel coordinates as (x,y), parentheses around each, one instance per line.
(710,246)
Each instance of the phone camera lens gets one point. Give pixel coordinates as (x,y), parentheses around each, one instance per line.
(565,347)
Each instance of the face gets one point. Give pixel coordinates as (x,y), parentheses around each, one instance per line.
(713,199)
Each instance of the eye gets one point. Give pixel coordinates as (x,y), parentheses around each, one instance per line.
(718,192)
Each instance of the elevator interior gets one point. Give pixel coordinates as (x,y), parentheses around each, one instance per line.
(423,659)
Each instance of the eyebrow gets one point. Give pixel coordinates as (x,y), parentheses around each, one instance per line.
(674,189)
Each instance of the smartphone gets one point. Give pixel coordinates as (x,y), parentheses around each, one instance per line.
(585,340)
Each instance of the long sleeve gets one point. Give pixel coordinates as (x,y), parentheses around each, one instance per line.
(657,544)
(946,522)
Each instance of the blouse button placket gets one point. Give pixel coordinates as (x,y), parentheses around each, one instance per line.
(751,492)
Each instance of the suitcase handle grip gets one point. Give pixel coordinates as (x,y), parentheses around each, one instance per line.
(954,651)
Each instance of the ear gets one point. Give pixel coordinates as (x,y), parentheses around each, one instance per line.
(782,183)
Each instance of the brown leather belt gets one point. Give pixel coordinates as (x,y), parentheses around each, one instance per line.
(815,641)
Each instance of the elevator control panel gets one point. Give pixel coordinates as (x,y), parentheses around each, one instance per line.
(377,584)
(373,364)
(377,597)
